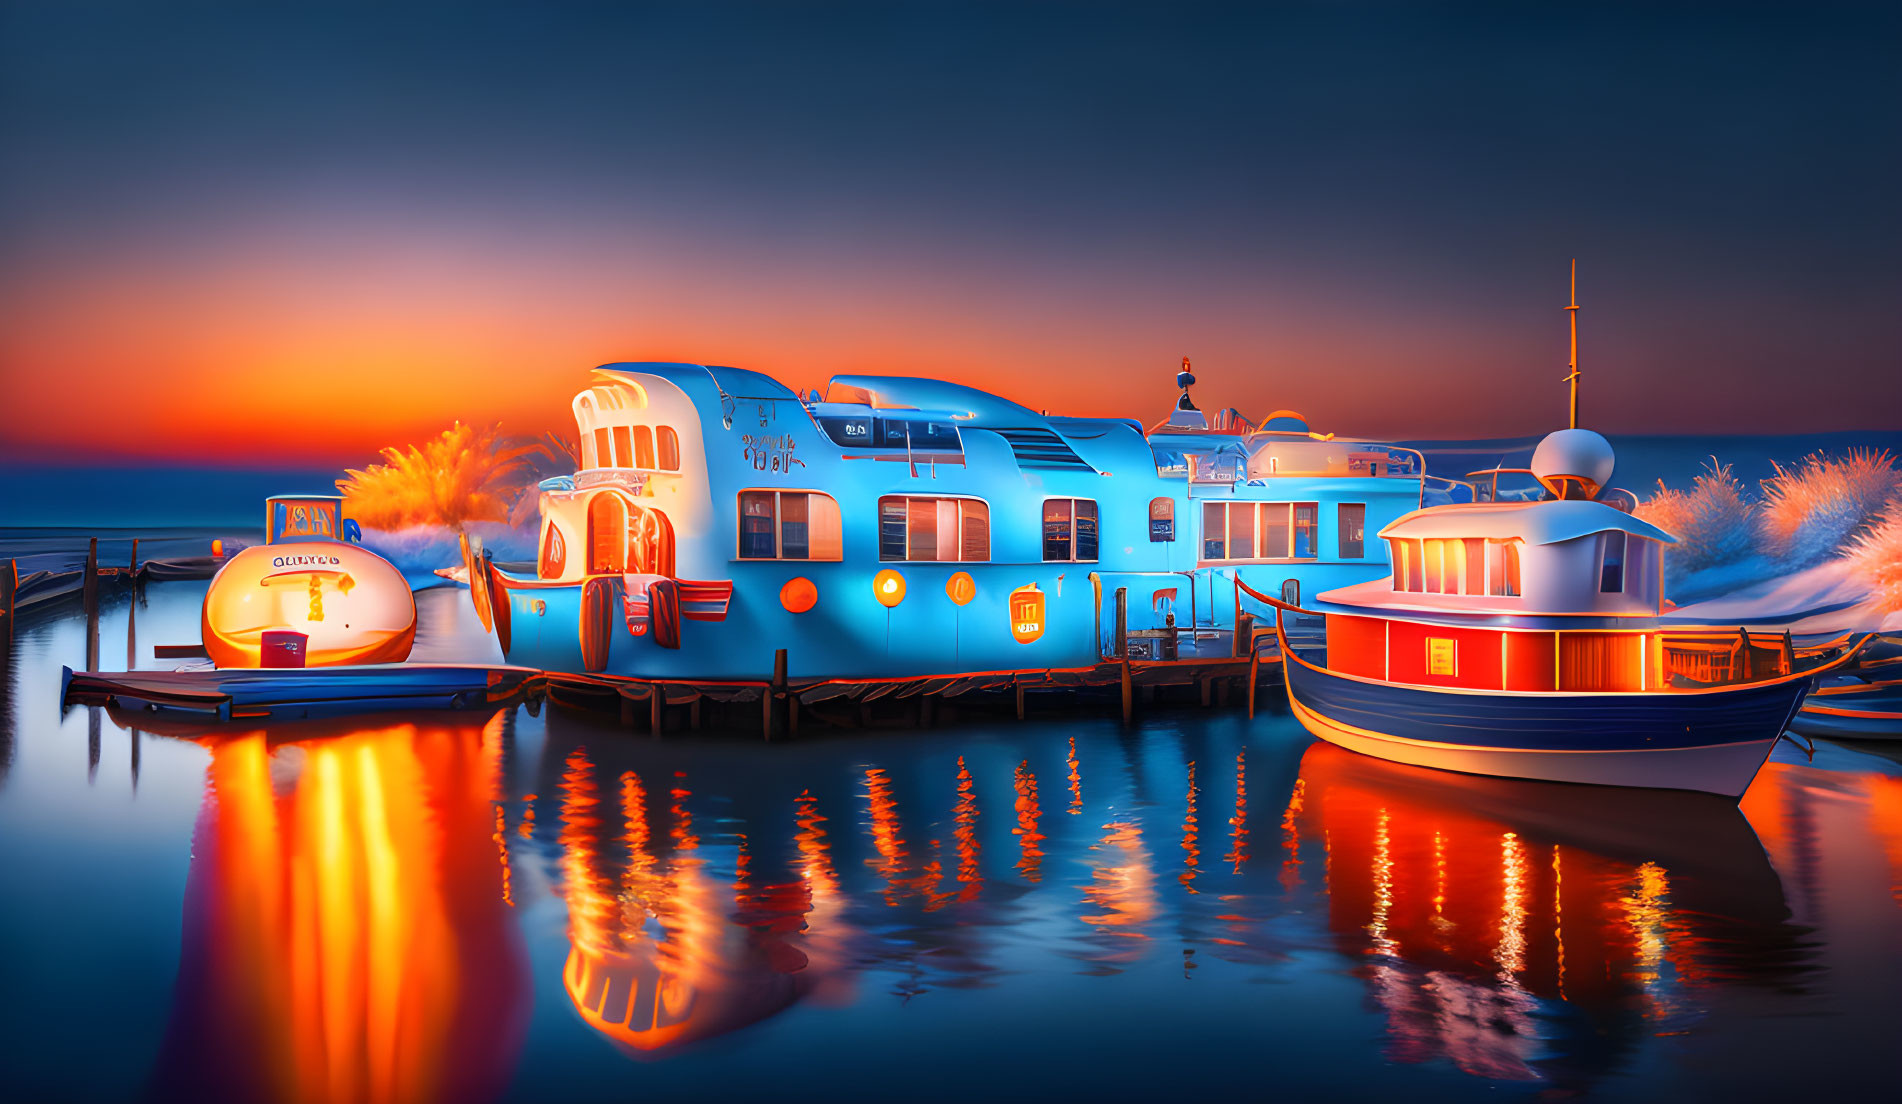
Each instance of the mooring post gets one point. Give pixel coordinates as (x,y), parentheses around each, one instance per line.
(775,692)
(133,571)
(1020,698)
(9,586)
(1122,652)
(89,591)
(656,710)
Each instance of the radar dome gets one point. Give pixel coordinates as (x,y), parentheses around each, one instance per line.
(1570,455)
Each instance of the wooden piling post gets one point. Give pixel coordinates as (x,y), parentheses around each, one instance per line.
(1122,652)
(656,710)
(1254,675)
(774,692)
(133,570)
(792,716)
(9,586)
(693,713)
(89,591)
(1020,699)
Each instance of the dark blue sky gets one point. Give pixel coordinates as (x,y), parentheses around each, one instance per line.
(1362,212)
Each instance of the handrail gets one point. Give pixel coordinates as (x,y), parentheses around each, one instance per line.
(1277,603)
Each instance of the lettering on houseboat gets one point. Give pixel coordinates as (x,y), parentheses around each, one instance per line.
(303,561)
(770,452)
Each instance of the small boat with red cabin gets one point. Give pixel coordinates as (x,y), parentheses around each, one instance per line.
(1526,640)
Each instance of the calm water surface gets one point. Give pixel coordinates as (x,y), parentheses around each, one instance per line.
(523,906)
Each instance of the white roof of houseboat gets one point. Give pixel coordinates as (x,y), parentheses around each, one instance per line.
(1533,522)
(965,405)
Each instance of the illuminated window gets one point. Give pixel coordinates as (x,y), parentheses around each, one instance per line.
(669,442)
(644,448)
(1277,530)
(1307,543)
(790,525)
(1247,531)
(1611,575)
(1475,566)
(1403,564)
(623,453)
(1069,529)
(933,529)
(603,452)
(1214,531)
(1503,576)
(1351,530)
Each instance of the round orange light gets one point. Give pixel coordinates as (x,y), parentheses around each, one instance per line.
(217,549)
(889,587)
(798,595)
(961,588)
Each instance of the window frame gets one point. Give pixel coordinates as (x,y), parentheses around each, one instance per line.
(1259,514)
(779,530)
(1340,531)
(1073,540)
(958,537)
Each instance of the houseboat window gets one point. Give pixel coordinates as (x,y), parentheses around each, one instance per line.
(669,442)
(1069,529)
(933,529)
(1503,578)
(1306,530)
(1241,531)
(1455,566)
(1611,577)
(603,455)
(644,448)
(554,554)
(1475,567)
(1276,530)
(789,525)
(1351,523)
(1403,569)
(1214,531)
(623,453)
(1434,565)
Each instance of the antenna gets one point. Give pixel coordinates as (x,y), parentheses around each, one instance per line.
(1573,311)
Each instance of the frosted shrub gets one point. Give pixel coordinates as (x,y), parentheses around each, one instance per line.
(1876,557)
(1816,509)
(1712,521)
(463,474)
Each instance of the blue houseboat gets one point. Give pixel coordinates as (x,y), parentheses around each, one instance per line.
(899,528)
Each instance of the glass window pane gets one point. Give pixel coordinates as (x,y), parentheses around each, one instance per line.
(669,448)
(1241,530)
(1416,555)
(1401,564)
(891,528)
(921,529)
(643,447)
(977,532)
(1612,578)
(1275,544)
(603,451)
(623,452)
(756,526)
(1306,546)
(1214,530)
(823,528)
(1086,529)
(795,540)
(1351,521)
(1056,528)
(948,530)
(1511,549)
(1475,566)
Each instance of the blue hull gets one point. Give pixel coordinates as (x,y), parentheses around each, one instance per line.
(1712,740)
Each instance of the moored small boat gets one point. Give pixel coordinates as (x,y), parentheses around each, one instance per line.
(1849,708)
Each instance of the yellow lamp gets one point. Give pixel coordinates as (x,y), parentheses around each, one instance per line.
(889,587)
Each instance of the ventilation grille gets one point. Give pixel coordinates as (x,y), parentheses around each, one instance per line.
(1041,449)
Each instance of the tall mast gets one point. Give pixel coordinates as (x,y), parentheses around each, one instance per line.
(1573,311)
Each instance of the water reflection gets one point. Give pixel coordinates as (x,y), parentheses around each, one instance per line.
(1527,931)
(347,934)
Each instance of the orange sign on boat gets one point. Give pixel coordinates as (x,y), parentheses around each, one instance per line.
(961,588)
(1026,613)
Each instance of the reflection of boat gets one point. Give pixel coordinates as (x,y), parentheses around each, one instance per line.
(310,596)
(1522,639)
(1530,930)
(692,975)
(346,934)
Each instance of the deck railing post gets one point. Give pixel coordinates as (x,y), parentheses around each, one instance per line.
(1122,652)
(89,591)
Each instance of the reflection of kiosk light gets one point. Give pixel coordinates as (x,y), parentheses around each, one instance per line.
(1026,613)
(889,587)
